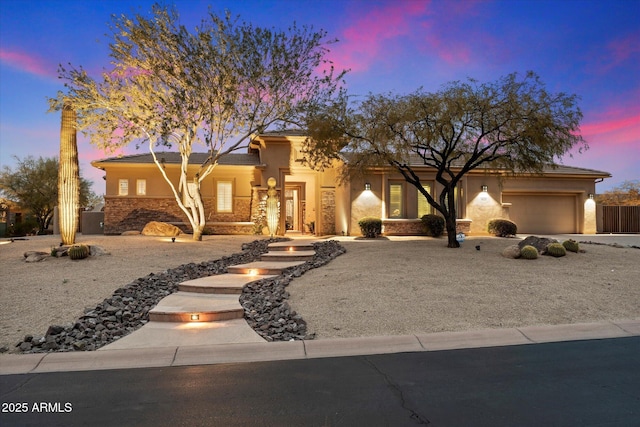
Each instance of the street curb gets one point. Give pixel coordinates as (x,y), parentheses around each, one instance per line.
(11,364)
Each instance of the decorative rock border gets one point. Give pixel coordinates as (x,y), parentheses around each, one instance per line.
(264,302)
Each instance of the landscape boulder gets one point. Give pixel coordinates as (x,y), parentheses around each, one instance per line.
(540,243)
(157,228)
(512,252)
(35,256)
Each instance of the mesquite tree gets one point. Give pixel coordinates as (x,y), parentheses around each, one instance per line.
(513,123)
(68,177)
(216,87)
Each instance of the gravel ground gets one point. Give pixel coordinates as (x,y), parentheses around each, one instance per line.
(413,285)
(381,287)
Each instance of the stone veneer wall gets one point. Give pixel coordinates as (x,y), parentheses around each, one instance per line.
(414,227)
(132,213)
(402,227)
(328,212)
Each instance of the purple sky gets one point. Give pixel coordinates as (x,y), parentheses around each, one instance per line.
(587,47)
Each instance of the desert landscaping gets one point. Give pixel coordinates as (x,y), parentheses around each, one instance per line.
(384,286)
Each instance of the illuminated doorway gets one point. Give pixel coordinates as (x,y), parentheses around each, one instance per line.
(293,201)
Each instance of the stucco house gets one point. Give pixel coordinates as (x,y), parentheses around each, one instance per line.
(560,200)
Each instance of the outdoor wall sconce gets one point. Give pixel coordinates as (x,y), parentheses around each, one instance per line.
(485,188)
(195,317)
(367,187)
(590,196)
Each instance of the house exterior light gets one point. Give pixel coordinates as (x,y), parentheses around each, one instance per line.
(485,188)
(590,196)
(367,187)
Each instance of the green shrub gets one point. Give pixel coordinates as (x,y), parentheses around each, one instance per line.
(502,227)
(571,245)
(556,250)
(528,252)
(370,227)
(78,252)
(433,224)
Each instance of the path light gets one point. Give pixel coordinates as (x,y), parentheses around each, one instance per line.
(173,240)
(195,317)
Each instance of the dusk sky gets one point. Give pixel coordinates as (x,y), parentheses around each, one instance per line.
(587,47)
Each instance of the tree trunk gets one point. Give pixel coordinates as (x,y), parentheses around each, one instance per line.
(197,233)
(452,242)
(68,177)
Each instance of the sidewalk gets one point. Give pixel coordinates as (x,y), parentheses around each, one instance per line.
(255,352)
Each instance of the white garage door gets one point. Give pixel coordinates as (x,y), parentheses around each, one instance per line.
(542,214)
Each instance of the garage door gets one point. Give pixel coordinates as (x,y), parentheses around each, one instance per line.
(542,214)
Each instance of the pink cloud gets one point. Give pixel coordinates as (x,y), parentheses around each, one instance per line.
(28,63)
(618,52)
(361,44)
(385,32)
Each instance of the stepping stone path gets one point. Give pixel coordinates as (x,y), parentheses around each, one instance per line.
(216,299)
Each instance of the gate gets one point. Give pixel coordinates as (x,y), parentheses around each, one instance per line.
(621,219)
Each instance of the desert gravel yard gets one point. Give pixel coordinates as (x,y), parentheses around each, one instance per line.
(389,286)
(413,285)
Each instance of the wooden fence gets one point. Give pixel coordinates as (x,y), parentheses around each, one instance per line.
(620,219)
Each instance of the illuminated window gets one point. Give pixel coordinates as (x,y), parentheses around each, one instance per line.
(396,208)
(225,196)
(424,208)
(123,187)
(141,187)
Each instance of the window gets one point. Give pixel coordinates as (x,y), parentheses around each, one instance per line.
(225,196)
(141,187)
(123,187)
(396,208)
(424,208)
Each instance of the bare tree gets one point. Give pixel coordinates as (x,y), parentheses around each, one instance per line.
(216,87)
(512,123)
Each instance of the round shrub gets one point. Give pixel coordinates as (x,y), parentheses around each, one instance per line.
(78,252)
(528,252)
(433,224)
(571,245)
(370,227)
(556,250)
(502,227)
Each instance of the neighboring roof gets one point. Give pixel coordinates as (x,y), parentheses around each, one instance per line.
(172,157)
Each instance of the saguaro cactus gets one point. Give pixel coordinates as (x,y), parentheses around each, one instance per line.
(68,177)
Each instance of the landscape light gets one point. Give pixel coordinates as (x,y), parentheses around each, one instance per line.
(195,317)
(173,240)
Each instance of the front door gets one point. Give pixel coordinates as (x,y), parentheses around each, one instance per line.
(293,197)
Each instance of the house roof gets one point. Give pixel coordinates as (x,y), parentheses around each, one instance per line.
(551,169)
(172,157)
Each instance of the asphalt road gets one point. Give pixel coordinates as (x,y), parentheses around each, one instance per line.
(580,383)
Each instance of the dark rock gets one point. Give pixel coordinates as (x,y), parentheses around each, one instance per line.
(540,243)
